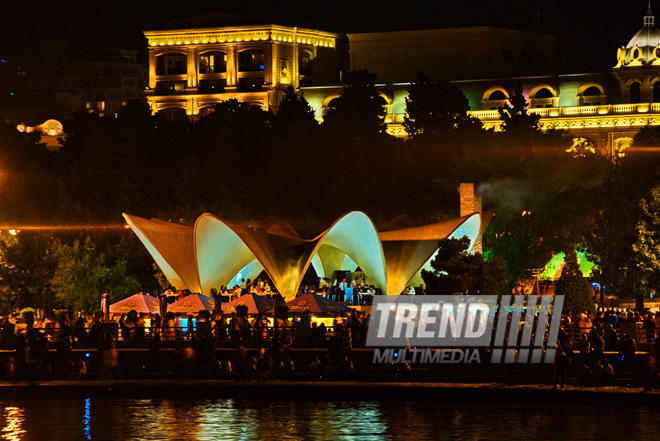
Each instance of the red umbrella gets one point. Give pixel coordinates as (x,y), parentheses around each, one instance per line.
(315,303)
(256,304)
(192,304)
(140,302)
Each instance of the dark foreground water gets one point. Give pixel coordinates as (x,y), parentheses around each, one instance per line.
(235,419)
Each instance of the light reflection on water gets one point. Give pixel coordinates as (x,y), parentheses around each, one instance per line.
(13,423)
(235,419)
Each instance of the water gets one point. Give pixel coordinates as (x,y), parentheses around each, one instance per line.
(235,419)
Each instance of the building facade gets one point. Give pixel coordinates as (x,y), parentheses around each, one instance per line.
(192,70)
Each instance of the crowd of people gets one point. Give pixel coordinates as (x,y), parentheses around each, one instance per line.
(354,291)
(592,350)
(585,339)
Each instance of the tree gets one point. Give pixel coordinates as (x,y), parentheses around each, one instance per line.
(358,113)
(294,113)
(614,229)
(455,271)
(647,246)
(574,287)
(26,269)
(514,115)
(435,110)
(82,276)
(648,136)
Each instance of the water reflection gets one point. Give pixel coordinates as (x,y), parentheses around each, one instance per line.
(236,419)
(13,428)
(87,418)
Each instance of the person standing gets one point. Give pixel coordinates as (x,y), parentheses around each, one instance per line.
(561,363)
(342,290)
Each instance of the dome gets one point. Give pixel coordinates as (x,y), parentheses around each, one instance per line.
(644,38)
(644,47)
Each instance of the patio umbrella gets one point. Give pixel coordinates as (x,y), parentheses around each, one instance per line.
(315,303)
(192,304)
(140,302)
(256,304)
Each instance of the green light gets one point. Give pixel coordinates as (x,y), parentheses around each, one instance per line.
(552,269)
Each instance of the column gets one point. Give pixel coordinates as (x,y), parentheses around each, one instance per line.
(232,67)
(269,64)
(192,67)
(152,69)
(295,72)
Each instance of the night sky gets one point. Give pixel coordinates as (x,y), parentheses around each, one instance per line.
(596,28)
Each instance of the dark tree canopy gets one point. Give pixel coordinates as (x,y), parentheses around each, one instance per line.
(358,113)
(648,136)
(515,116)
(436,109)
(294,113)
(455,271)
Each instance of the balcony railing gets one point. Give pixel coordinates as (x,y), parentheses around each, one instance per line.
(177,70)
(555,112)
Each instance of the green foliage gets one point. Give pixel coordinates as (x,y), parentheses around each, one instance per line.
(546,202)
(457,272)
(82,276)
(26,268)
(574,287)
(647,246)
(436,110)
(614,228)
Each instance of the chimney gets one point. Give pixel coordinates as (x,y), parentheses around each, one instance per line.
(467,199)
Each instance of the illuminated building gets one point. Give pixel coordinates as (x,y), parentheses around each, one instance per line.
(191,70)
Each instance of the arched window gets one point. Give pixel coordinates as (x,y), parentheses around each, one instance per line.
(635,93)
(213,62)
(544,93)
(497,95)
(251,61)
(543,97)
(656,92)
(305,63)
(591,91)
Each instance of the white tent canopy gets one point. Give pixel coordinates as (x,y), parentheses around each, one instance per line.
(214,252)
